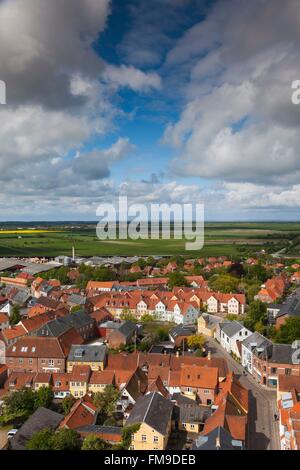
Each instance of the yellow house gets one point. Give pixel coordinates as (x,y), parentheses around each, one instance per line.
(154,414)
(42,379)
(92,355)
(99,380)
(207,324)
(79,380)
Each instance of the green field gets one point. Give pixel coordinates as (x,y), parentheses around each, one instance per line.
(221,238)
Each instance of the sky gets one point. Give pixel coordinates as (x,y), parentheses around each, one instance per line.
(165,101)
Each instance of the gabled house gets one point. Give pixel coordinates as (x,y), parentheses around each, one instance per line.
(154,414)
(230,335)
(254,342)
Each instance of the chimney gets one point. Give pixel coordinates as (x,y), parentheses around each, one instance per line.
(218,444)
(177,353)
(209,355)
(73,253)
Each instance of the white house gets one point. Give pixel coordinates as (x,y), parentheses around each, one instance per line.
(253,342)
(230,334)
(185,313)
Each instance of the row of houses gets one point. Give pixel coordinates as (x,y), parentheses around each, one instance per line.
(262,358)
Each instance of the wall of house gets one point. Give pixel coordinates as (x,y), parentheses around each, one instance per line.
(93,365)
(160,442)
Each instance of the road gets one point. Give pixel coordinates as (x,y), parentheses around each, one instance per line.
(263,430)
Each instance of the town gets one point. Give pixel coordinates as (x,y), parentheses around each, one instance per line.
(150,353)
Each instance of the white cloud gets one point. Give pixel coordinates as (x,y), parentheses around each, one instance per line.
(129,76)
(238,123)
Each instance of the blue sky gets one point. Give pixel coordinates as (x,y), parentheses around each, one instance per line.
(166,101)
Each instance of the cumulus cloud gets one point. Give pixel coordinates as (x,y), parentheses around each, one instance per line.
(129,76)
(238,123)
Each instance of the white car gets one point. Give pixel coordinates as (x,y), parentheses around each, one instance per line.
(11,433)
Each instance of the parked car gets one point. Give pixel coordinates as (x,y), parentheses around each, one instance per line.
(11,433)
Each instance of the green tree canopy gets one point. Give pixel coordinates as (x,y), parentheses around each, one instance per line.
(196,341)
(93,442)
(67,404)
(224,283)
(106,400)
(15,315)
(43,397)
(41,440)
(66,439)
(289,331)
(176,279)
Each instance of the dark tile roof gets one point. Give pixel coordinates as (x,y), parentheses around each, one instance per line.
(42,418)
(218,439)
(97,429)
(87,353)
(61,325)
(181,331)
(127,328)
(154,410)
(231,328)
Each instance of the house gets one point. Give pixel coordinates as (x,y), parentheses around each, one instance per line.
(41,419)
(199,383)
(4,321)
(154,414)
(78,380)
(180,334)
(60,385)
(7,307)
(217,439)
(122,334)
(93,355)
(254,341)
(273,289)
(207,324)
(288,390)
(273,360)
(135,387)
(94,287)
(39,354)
(188,415)
(233,304)
(230,334)
(42,379)
(99,380)
(82,413)
(80,321)
(290,308)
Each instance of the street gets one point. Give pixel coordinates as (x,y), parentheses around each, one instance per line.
(263,429)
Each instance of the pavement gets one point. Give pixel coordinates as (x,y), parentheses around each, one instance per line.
(263,429)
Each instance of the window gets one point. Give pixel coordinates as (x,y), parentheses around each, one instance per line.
(288,371)
(155,438)
(30,361)
(192,426)
(51,362)
(206,392)
(144,437)
(273,370)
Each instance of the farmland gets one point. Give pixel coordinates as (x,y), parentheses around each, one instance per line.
(221,238)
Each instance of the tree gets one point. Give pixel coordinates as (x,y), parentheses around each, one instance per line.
(76,308)
(43,397)
(106,400)
(196,342)
(257,314)
(66,439)
(147,318)
(126,435)
(67,404)
(20,404)
(93,442)
(176,279)
(289,331)
(126,315)
(223,283)
(15,315)
(41,440)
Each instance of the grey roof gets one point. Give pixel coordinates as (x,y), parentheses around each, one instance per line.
(154,410)
(291,307)
(230,328)
(87,353)
(77,299)
(21,297)
(42,418)
(181,331)
(277,353)
(256,340)
(61,325)
(211,320)
(127,328)
(193,413)
(218,439)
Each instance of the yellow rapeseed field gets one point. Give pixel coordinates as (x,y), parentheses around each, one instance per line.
(17,232)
